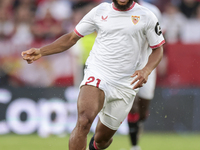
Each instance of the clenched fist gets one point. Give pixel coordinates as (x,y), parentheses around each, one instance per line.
(31,55)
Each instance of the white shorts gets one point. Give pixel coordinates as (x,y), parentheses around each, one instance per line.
(117,103)
(147,91)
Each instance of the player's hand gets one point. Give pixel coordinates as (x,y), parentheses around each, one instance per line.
(31,55)
(141,77)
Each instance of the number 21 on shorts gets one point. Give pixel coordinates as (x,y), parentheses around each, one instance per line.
(92,79)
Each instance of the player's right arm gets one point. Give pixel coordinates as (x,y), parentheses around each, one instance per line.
(84,27)
(61,44)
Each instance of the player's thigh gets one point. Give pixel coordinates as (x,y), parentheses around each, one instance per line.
(135,108)
(103,133)
(144,104)
(90,101)
(144,108)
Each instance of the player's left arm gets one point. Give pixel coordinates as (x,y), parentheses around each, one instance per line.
(155,39)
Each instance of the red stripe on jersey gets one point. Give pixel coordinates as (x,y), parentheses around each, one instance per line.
(78,33)
(123,10)
(156,46)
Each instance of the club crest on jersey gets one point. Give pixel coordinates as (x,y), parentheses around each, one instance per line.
(104,18)
(135,19)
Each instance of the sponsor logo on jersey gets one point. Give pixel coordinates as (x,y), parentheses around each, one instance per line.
(158,29)
(135,19)
(104,18)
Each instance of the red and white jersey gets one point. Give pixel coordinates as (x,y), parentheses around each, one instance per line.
(122,41)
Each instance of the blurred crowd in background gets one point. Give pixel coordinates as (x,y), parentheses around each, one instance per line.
(33,23)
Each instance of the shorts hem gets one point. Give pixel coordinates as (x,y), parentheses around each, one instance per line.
(107,125)
(147,97)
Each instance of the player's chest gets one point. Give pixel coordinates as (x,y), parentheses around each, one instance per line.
(123,23)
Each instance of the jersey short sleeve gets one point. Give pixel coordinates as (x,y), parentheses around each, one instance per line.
(154,32)
(87,24)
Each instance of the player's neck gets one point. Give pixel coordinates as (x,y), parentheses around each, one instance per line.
(118,7)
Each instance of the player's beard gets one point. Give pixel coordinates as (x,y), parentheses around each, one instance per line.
(123,7)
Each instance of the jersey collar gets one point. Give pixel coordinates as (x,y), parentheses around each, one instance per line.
(123,10)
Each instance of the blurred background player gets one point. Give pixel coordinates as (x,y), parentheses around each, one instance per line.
(139,111)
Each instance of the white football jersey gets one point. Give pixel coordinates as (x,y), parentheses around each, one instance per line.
(122,41)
